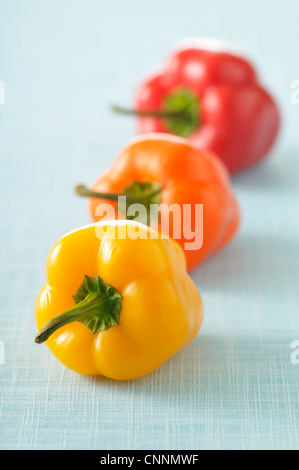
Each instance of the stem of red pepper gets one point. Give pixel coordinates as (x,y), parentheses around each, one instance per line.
(180,112)
(149,112)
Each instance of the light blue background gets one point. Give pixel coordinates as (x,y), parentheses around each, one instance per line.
(63,63)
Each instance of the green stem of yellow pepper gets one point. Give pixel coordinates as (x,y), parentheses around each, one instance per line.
(98,306)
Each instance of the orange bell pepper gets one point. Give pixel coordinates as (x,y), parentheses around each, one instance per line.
(167,171)
(117,300)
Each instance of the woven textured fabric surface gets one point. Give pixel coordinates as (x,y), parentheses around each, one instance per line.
(235,386)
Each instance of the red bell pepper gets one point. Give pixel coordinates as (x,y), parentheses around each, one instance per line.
(212,97)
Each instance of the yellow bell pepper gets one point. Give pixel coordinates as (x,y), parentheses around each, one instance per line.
(128,302)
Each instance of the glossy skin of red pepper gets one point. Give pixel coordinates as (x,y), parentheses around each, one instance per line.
(237,118)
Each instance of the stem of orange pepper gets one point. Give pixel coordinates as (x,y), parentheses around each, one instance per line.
(136,192)
(145,193)
(83,191)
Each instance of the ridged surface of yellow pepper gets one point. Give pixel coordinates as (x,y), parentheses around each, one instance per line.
(129,303)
